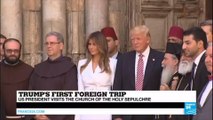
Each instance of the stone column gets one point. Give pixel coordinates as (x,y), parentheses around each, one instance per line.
(32,31)
(118,15)
(96,15)
(76,29)
(54,19)
(11,19)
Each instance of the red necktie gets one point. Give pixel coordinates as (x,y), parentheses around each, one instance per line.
(140,74)
(210,77)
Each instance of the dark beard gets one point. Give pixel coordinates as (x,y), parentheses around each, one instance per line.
(12,61)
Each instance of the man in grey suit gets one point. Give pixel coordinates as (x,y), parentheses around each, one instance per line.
(204,109)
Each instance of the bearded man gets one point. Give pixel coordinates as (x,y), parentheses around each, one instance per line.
(15,76)
(184,68)
(175,75)
(170,75)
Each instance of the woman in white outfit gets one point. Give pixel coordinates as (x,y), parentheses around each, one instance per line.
(96,72)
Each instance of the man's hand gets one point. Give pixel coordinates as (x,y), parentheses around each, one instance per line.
(41,117)
(117,119)
(164,87)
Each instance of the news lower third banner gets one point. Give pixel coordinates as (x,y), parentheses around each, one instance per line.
(106,102)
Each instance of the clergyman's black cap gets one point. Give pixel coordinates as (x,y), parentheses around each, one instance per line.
(174,48)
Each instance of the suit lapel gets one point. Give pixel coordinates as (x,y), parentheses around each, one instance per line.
(132,68)
(200,95)
(149,66)
(119,54)
(208,97)
(201,63)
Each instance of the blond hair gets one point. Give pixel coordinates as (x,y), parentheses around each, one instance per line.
(143,29)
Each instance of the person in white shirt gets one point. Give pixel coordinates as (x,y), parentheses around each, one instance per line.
(96,72)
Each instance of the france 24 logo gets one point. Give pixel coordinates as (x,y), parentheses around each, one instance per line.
(190,108)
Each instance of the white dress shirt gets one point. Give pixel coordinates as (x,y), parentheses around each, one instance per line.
(206,93)
(145,59)
(197,60)
(115,55)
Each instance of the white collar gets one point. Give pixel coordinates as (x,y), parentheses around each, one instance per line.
(197,59)
(115,55)
(145,52)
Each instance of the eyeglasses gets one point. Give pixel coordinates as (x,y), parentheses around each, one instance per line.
(51,43)
(10,51)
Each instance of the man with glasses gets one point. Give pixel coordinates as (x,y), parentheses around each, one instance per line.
(56,73)
(15,76)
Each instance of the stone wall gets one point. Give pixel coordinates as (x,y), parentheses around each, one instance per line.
(30,20)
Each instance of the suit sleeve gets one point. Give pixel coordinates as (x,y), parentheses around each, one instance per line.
(118,75)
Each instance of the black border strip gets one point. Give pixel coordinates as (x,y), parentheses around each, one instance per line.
(101,105)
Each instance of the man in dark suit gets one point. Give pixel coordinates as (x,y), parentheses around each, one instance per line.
(112,41)
(194,45)
(127,76)
(204,109)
